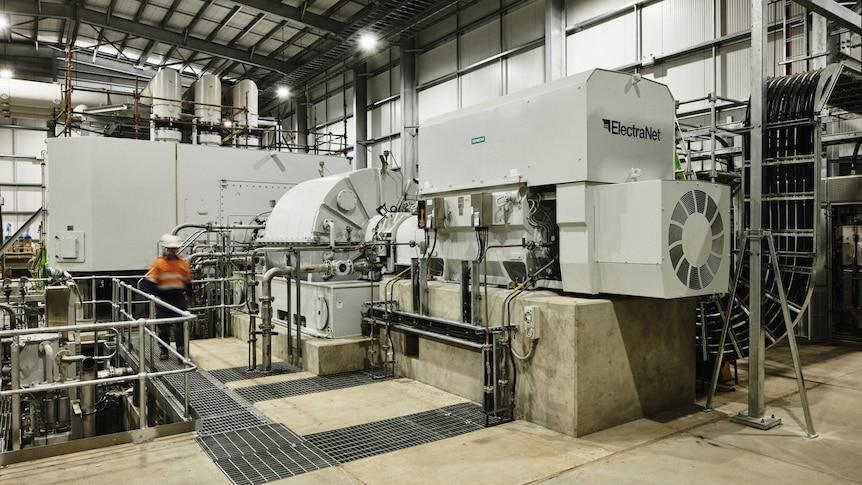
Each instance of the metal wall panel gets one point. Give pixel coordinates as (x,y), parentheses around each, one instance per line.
(524,25)
(688,78)
(735,71)
(335,106)
(480,85)
(609,45)
(580,10)
(477,11)
(672,25)
(525,70)
(479,44)
(440,99)
(437,31)
(380,120)
(380,87)
(437,62)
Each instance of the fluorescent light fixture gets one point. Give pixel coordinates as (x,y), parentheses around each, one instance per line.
(108,108)
(6,73)
(367,42)
(282,92)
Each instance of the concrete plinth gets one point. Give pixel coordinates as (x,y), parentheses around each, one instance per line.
(320,356)
(600,362)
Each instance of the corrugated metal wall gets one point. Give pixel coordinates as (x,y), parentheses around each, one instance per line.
(496,47)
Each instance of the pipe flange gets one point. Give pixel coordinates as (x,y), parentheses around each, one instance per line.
(59,356)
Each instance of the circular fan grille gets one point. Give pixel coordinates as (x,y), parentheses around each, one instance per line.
(695,259)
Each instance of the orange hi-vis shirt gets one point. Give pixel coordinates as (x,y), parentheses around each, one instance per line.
(170,274)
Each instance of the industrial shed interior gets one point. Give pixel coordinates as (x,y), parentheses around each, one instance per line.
(513,241)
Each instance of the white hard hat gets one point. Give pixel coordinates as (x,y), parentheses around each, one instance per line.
(169,241)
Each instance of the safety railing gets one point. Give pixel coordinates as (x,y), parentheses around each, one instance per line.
(124,297)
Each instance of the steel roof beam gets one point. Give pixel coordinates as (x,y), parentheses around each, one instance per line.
(64,11)
(299,15)
(836,12)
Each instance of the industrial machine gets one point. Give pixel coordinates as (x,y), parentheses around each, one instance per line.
(568,186)
(578,172)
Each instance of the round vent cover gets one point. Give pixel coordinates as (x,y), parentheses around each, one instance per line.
(696,239)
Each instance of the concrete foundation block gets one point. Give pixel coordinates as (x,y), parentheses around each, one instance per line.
(320,356)
(599,362)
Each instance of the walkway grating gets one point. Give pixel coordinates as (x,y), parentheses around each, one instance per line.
(242,373)
(370,439)
(310,385)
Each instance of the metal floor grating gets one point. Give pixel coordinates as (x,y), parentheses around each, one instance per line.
(248,441)
(271,465)
(263,454)
(299,387)
(364,440)
(232,421)
(242,373)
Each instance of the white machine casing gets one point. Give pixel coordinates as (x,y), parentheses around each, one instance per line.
(598,126)
(661,238)
(348,200)
(329,309)
(596,149)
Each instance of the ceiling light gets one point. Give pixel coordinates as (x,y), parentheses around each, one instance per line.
(6,73)
(228,123)
(282,92)
(4,22)
(367,42)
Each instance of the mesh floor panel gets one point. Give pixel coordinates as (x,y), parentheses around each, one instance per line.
(242,373)
(299,387)
(263,454)
(232,421)
(364,440)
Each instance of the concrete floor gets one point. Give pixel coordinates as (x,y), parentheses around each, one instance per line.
(687,445)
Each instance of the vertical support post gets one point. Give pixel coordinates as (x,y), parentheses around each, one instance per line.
(301,128)
(409,113)
(756,414)
(360,116)
(16,398)
(555,39)
(142,380)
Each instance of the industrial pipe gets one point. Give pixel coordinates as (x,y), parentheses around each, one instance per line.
(88,397)
(266,297)
(48,361)
(215,227)
(11,312)
(266,311)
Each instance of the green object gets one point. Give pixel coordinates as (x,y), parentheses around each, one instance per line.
(678,166)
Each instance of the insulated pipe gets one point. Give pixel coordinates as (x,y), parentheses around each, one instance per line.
(11,312)
(88,397)
(266,311)
(48,361)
